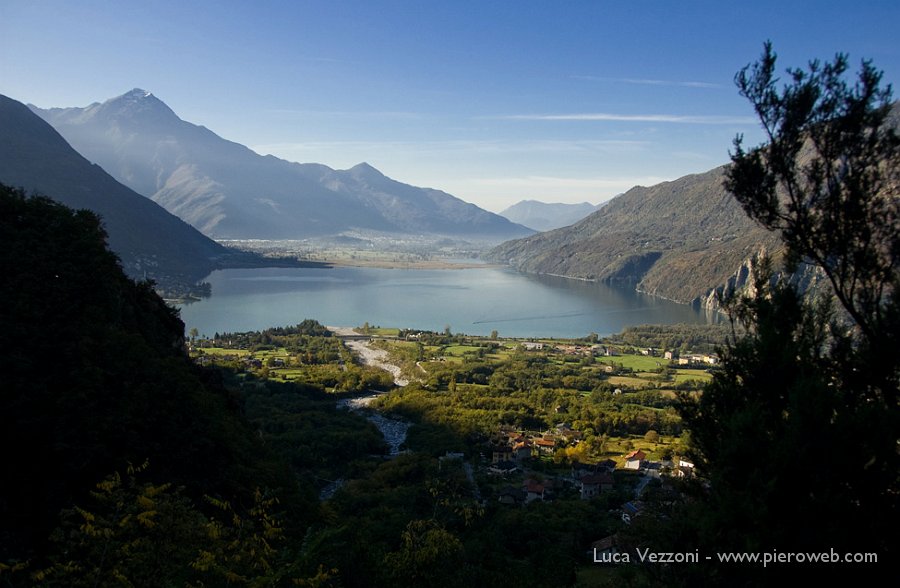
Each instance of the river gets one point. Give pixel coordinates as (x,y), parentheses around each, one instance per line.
(474,301)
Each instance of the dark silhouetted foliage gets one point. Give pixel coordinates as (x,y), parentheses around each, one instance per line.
(797,435)
(95,375)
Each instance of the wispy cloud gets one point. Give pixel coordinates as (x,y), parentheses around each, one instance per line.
(544,182)
(486,147)
(651,118)
(651,82)
(345,113)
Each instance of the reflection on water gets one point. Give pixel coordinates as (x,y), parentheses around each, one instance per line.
(474,301)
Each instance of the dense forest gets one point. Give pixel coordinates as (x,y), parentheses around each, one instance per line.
(106,420)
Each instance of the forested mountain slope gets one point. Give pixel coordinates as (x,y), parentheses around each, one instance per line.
(678,240)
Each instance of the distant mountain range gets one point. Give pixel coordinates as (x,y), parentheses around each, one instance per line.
(683,240)
(680,240)
(544,216)
(150,242)
(227,191)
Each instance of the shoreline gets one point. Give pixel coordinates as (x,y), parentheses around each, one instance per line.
(432,264)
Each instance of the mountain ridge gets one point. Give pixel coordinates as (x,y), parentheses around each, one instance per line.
(546,216)
(150,242)
(681,240)
(228,191)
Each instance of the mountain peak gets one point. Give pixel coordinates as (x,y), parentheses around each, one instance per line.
(136,101)
(135,96)
(364,167)
(366,171)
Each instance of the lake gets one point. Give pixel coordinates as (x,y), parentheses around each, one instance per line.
(474,301)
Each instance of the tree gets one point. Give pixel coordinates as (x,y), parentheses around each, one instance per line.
(796,435)
(827,179)
(429,555)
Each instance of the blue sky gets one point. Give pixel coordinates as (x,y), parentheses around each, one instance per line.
(493,101)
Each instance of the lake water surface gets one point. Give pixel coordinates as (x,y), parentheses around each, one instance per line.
(475,301)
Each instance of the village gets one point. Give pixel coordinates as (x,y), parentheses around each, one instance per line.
(515,456)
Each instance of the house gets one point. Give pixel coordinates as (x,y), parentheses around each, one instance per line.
(501,453)
(567,433)
(631,510)
(698,359)
(510,495)
(579,470)
(634,460)
(514,437)
(545,446)
(607,465)
(603,547)
(682,472)
(592,485)
(534,490)
(669,355)
(522,450)
(685,469)
(653,468)
(502,468)
(532,346)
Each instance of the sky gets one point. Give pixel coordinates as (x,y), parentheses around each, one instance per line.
(493,101)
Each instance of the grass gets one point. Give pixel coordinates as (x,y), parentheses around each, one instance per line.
(449,359)
(630,382)
(638,363)
(380,331)
(682,376)
(460,350)
(618,447)
(287,374)
(222,352)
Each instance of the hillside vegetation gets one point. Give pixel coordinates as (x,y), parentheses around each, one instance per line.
(678,240)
